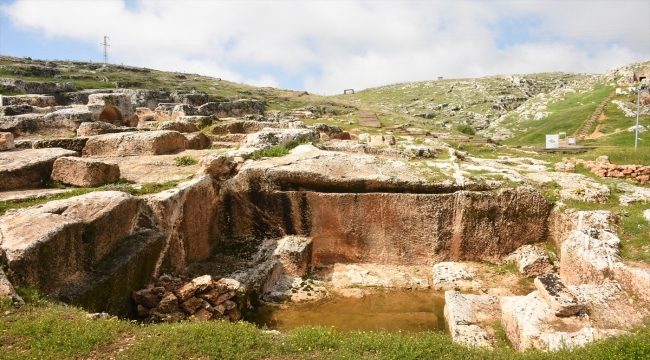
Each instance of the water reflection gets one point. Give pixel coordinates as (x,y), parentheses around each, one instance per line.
(406,310)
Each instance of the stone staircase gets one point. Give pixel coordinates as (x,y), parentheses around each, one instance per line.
(590,122)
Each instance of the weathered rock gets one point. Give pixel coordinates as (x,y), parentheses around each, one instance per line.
(227,285)
(202,315)
(646,214)
(69,119)
(454,276)
(191,305)
(131,144)
(30,99)
(275,137)
(223,165)
(364,216)
(199,121)
(28,168)
(93,128)
(7,290)
(561,300)
(198,141)
(182,110)
(294,253)
(13,110)
(381,140)
(113,108)
(143,311)
(469,317)
(587,257)
(6,141)
(168,304)
(188,216)
(562,222)
(234,314)
(232,108)
(211,296)
(75,144)
(84,172)
(531,261)
(376,275)
(633,279)
(530,323)
(419,151)
(179,125)
(146,297)
(54,243)
(185,292)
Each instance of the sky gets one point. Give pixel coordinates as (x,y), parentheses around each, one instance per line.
(325,47)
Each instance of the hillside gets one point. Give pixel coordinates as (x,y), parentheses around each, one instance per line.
(514,109)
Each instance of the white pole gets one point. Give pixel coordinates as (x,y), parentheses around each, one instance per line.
(638,110)
(1,100)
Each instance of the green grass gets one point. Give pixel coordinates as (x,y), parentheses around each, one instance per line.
(275,151)
(566,115)
(42,329)
(145,189)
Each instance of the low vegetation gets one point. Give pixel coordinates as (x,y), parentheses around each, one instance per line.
(42,329)
(185,161)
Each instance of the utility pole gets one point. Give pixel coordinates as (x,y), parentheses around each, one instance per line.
(106,46)
(638,111)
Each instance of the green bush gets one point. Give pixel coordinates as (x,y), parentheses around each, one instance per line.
(466,129)
(185,161)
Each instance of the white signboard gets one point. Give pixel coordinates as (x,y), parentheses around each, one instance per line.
(571,141)
(552,141)
(618,91)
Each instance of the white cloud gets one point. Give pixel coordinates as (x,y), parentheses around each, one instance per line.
(333,45)
(264,80)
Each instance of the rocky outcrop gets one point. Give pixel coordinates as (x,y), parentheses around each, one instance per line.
(76,144)
(179,125)
(232,108)
(276,137)
(99,128)
(563,221)
(531,261)
(61,122)
(189,217)
(469,318)
(7,290)
(561,300)
(587,257)
(84,172)
(28,168)
(356,209)
(131,144)
(454,276)
(174,299)
(31,99)
(249,126)
(198,141)
(529,322)
(294,253)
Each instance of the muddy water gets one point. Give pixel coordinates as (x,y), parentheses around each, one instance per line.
(390,310)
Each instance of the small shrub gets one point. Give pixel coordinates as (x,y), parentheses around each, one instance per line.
(466,129)
(185,161)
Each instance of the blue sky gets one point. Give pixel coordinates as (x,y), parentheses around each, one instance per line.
(327,46)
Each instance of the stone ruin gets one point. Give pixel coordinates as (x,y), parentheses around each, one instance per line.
(242,232)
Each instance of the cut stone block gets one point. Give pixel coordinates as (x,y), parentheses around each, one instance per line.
(529,322)
(75,144)
(6,141)
(131,144)
(84,172)
(182,126)
(454,276)
(633,279)
(587,257)
(531,261)
(469,317)
(561,300)
(294,253)
(28,168)
(198,141)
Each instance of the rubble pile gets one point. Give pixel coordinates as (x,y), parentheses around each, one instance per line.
(603,168)
(174,299)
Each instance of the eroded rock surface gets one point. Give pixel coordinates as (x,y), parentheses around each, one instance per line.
(28,168)
(131,144)
(531,261)
(469,318)
(454,276)
(84,172)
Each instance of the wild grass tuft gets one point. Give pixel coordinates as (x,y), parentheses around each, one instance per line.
(185,161)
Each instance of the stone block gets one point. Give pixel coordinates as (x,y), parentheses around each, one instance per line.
(294,253)
(131,144)
(198,141)
(454,276)
(84,172)
(531,261)
(179,125)
(6,141)
(561,300)
(28,168)
(469,317)
(587,256)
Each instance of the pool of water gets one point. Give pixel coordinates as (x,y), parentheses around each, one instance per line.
(391,310)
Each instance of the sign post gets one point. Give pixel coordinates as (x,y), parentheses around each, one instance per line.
(552,141)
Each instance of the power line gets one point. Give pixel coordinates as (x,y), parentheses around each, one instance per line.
(106,46)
